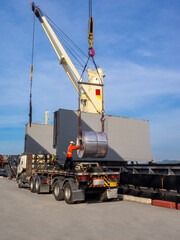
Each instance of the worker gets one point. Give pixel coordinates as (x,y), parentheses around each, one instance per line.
(152,161)
(69,161)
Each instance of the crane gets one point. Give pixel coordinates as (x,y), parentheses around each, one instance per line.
(91,92)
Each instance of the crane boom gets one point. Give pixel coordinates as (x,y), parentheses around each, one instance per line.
(62,55)
(86,97)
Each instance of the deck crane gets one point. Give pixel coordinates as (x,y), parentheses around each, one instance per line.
(91,96)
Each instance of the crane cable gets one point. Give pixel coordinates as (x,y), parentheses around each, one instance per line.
(32,58)
(90,26)
(79,105)
(91,54)
(67,42)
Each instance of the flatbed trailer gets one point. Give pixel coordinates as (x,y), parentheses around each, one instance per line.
(41,176)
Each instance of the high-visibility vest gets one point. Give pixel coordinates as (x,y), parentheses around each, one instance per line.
(70,150)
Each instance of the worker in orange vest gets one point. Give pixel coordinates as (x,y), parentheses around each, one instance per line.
(69,161)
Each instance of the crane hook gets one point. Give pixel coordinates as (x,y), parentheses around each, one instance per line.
(91,52)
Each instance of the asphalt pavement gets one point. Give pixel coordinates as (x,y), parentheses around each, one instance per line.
(29,216)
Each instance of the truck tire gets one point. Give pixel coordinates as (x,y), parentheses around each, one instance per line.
(32,185)
(37,185)
(20,184)
(57,191)
(68,193)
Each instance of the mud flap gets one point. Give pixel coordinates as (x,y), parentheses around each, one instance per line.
(112,193)
(44,188)
(78,195)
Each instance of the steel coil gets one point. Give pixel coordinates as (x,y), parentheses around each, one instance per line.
(94,145)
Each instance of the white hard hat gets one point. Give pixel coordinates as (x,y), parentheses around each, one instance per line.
(71,142)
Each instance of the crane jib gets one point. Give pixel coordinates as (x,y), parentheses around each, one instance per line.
(37,11)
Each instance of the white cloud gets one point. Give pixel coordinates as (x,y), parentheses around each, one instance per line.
(135,88)
(144,52)
(129,85)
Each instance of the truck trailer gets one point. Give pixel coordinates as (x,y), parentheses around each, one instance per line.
(43,174)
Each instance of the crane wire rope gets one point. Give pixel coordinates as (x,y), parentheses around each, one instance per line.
(68,47)
(65,36)
(32,60)
(79,105)
(91,54)
(67,41)
(90,8)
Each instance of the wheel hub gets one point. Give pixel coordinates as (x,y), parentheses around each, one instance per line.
(31,185)
(37,185)
(67,193)
(56,190)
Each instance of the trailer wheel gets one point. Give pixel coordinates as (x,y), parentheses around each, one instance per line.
(32,185)
(57,191)
(37,185)
(68,193)
(20,184)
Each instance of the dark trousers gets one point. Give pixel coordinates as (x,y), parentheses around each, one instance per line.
(69,164)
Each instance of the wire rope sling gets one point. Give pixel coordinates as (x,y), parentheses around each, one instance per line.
(93,144)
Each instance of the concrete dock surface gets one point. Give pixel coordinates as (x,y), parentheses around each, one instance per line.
(28,216)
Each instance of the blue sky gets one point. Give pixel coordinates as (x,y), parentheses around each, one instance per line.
(136,44)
